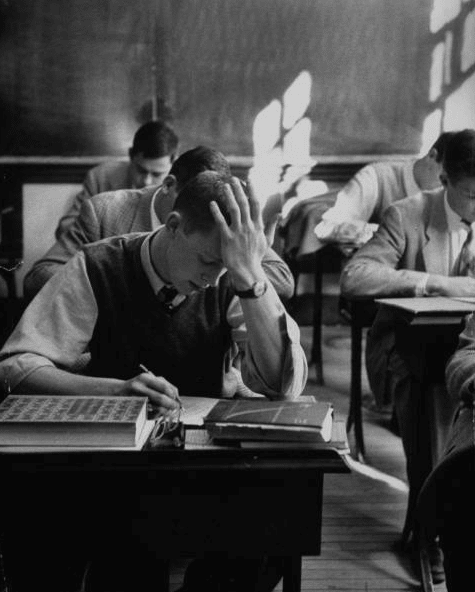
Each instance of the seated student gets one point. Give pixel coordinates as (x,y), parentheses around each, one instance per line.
(123,211)
(150,158)
(108,298)
(376,186)
(460,378)
(419,250)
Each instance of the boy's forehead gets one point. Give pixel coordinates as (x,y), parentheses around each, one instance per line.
(206,243)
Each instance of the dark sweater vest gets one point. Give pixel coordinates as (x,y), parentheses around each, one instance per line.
(186,346)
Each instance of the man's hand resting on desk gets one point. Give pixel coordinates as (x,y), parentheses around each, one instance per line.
(439,285)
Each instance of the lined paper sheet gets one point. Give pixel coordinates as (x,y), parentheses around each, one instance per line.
(195,409)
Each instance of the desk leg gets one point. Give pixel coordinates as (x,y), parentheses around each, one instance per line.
(316,355)
(292,574)
(355,415)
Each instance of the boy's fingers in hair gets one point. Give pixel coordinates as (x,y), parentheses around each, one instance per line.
(232,206)
(218,217)
(241,199)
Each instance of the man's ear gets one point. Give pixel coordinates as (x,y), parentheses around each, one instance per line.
(443,178)
(433,153)
(174,220)
(131,153)
(169,183)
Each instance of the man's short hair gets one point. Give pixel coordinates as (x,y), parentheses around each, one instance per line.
(440,145)
(155,139)
(459,156)
(193,201)
(197,160)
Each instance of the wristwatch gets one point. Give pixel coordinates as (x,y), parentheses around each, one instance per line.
(255,291)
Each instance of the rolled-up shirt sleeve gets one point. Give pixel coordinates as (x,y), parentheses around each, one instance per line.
(294,368)
(56,327)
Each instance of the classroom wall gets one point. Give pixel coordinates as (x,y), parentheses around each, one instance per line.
(319,77)
(269,81)
(43,205)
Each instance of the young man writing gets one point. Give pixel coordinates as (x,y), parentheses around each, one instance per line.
(108,298)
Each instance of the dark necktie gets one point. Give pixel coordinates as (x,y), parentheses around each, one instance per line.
(466,262)
(166,295)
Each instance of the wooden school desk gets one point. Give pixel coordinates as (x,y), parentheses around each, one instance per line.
(426,319)
(239,501)
(426,335)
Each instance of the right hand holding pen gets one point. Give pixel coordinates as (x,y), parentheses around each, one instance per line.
(162,394)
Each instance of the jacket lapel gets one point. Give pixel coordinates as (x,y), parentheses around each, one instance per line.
(437,247)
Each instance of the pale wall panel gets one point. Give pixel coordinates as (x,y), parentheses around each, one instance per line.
(43,205)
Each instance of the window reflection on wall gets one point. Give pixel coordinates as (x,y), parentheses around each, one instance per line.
(452,76)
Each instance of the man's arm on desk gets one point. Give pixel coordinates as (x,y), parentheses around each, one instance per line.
(378,268)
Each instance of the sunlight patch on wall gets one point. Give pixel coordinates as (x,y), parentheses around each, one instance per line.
(431,130)
(281,137)
(437,71)
(266,128)
(468,46)
(296,143)
(459,109)
(443,11)
(296,99)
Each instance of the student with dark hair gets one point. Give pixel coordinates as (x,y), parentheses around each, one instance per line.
(107,299)
(422,248)
(123,211)
(376,186)
(152,153)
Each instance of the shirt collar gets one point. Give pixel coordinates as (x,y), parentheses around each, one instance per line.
(156,222)
(411,187)
(454,221)
(155,280)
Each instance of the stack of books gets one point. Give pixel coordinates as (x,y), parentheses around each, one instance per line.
(257,420)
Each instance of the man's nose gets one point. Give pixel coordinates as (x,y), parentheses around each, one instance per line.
(147,180)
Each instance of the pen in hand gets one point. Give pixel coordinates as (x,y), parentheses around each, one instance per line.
(177,398)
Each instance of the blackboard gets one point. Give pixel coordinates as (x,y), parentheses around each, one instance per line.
(78,77)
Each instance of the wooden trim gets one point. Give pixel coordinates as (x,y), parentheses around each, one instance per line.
(56,169)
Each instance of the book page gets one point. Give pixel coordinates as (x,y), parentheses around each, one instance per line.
(195,409)
(144,435)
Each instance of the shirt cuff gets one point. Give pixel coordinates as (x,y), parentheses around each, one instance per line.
(421,286)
